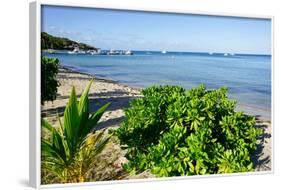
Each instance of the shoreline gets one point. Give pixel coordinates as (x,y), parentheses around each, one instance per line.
(99,78)
(104,91)
(259,112)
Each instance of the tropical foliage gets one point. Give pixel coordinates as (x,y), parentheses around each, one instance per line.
(174,132)
(69,154)
(49,82)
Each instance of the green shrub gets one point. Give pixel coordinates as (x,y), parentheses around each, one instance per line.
(146,118)
(71,151)
(49,82)
(174,132)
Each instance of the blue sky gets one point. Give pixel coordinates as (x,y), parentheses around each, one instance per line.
(113,29)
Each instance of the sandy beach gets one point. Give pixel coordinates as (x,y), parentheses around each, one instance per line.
(101,92)
(119,95)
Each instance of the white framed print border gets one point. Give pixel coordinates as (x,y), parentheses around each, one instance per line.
(35,94)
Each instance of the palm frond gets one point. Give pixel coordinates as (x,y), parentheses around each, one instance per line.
(71,150)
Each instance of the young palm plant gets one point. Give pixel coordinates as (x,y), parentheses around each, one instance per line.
(68,155)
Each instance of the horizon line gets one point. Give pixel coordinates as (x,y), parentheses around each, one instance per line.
(179,51)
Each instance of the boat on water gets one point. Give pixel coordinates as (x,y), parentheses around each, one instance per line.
(128,52)
(113,52)
(119,52)
(76,50)
(228,54)
(164,52)
(94,52)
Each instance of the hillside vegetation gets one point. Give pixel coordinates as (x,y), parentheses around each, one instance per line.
(52,42)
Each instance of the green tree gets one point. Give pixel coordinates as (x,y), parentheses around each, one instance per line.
(49,82)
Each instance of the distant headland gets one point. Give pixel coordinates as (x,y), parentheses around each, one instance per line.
(57,43)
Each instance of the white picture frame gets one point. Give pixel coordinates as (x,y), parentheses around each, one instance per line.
(35,79)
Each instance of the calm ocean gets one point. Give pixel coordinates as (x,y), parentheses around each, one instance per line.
(248,77)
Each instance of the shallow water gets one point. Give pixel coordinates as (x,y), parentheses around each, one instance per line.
(248,77)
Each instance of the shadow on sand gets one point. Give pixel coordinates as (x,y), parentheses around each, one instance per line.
(117,99)
(260,159)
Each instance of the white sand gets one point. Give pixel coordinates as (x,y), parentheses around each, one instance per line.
(102,91)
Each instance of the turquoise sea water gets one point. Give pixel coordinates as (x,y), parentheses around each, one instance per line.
(248,77)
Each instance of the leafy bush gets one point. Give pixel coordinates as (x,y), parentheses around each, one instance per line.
(146,118)
(174,132)
(49,83)
(71,151)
